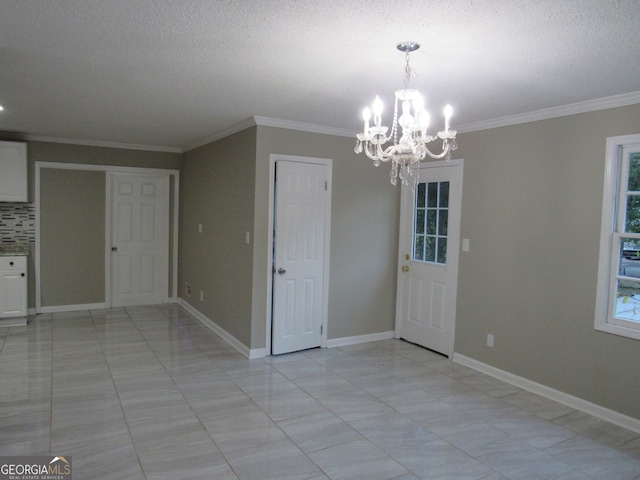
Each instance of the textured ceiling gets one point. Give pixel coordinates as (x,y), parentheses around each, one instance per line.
(171,73)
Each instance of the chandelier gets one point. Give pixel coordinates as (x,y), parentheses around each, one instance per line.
(406,152)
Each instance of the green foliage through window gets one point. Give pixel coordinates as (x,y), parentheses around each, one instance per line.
(632,223)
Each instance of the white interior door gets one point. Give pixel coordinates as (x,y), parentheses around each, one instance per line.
(139,239)
(300,225)
(428,257)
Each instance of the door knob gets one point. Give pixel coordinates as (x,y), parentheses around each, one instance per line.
(405,268)
(114,249)
(282,271)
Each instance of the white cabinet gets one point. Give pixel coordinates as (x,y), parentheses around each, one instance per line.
(13,172)
(13,288)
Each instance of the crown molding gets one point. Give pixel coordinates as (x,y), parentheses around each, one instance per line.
(238,127)
(614,101)
(272,122)
(553,112)
(303,127)
(98,143)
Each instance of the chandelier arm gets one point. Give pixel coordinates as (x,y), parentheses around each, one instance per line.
(445,151)
(378,155)
(391,151)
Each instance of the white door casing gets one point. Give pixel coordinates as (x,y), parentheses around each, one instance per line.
(139,248)
(427,278)
(301,211)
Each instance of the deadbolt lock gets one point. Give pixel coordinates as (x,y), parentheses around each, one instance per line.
(407,257)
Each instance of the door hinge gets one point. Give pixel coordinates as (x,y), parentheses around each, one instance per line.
(326,185)
(321,329)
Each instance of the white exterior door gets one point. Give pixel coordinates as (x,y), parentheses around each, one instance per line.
(139,239)
(301,208)
(428,257)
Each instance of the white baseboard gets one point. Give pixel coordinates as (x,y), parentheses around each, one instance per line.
(13,322)
(262,352)
(371,337)
(221,332)
(257,353)
(73,308)
(598,411)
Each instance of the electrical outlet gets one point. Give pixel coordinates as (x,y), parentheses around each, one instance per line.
(490,340)
(187,289)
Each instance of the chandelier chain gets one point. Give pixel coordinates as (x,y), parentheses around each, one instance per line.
(407,71)
(394,125)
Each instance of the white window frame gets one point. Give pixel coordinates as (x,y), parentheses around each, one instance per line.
(613,216)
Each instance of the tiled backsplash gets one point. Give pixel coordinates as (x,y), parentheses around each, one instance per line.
(17,223)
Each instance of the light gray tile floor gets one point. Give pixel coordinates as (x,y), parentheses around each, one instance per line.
(150,393)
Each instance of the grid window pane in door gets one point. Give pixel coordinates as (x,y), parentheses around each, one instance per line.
(430,222)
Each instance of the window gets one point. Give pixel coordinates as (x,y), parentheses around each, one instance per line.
(618,300)
(430,222)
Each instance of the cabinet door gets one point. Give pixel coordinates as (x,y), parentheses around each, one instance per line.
(13,294)
(13,172)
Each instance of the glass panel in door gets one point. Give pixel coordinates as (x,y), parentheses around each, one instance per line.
(430,222)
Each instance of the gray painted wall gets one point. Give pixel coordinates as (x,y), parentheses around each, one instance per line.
(88,155)
(364,235)
(225,186)
(217,191)
(72,230)
(72,233)
(531,208)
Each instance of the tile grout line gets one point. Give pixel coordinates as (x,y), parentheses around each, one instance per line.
(172,321)
(115,388)
(419,424)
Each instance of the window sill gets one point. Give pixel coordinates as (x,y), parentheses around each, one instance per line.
(618,330)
